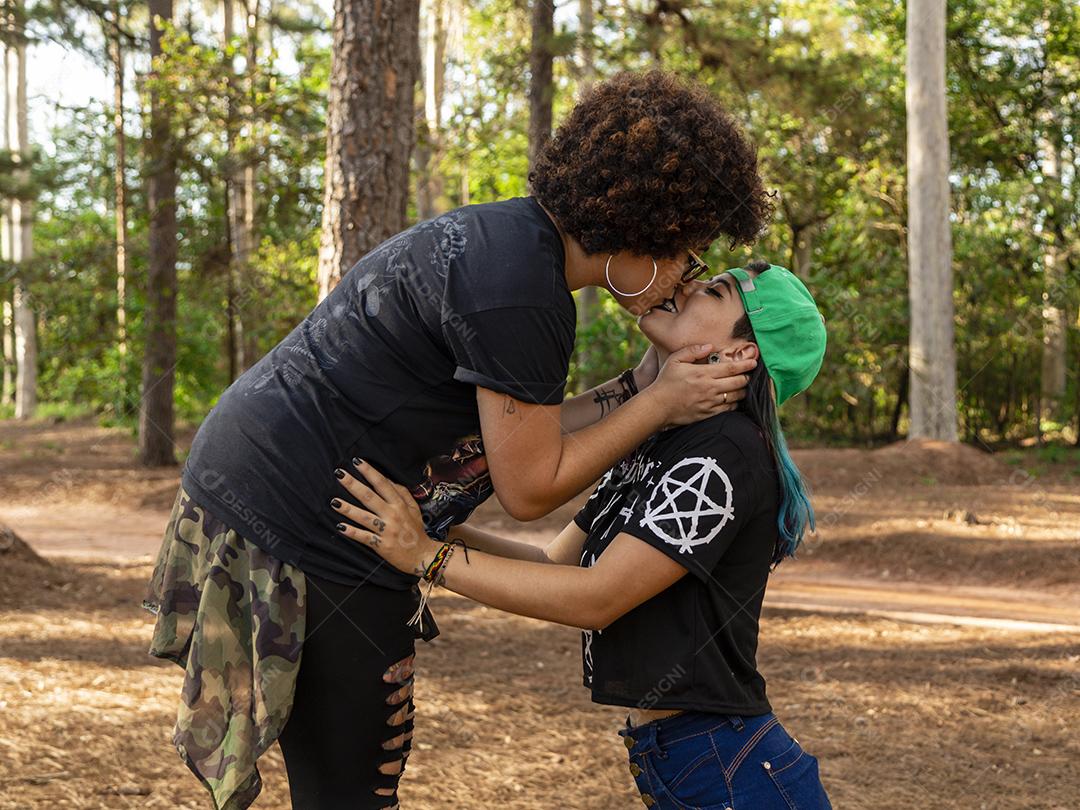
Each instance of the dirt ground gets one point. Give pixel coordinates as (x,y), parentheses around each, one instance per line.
(919,712)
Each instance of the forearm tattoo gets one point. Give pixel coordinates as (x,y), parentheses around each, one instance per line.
(611,398)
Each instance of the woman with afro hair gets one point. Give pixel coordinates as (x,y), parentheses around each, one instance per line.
(440,359)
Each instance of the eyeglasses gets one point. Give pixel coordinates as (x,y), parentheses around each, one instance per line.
(695,268)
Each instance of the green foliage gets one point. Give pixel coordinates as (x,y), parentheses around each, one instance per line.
(819,86)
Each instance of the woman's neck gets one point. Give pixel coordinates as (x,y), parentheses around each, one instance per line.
(582,269)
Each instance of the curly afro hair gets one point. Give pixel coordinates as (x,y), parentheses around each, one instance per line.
(651,164)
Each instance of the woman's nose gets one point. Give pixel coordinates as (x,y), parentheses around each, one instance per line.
(685,289)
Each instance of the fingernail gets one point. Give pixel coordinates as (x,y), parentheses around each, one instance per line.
(335,503)
(357,462)
(339,473)
(341,527)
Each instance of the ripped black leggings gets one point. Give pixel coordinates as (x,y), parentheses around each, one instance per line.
(350,727)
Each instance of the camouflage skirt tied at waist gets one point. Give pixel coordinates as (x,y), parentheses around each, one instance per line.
(233,617)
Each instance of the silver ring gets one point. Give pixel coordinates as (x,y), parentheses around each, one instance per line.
(725,397)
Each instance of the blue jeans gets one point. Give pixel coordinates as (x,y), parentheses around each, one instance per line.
(701,761)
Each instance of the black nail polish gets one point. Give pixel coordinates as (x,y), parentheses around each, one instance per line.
(335,503)
(339,473)
(356,462)
(341,527)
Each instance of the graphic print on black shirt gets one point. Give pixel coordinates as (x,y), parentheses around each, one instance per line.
(385,368)
(454,484)
(706,496)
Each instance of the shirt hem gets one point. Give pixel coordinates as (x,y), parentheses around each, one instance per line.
(716,707)
(277,547)
(383,575)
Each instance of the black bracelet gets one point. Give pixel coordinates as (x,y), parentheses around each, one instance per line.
(626,379)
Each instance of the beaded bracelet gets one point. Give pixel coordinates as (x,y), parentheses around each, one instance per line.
(434,568)
(435,574)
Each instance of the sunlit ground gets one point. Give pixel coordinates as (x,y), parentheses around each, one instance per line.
(900,715)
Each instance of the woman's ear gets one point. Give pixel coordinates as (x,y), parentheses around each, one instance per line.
(743,350)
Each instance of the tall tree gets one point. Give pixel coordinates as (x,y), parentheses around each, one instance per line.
(7,393)
(429,142)
(159,358)
(233,202)
(932,394)
(1054,314)
(114,36)
(541,73)
(370,126)
(588,297)
(247,242)
(240,181)
(16,240)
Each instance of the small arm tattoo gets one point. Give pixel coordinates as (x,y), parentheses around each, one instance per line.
(510,406)
(609,399)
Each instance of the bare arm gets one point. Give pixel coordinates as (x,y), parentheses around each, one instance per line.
(564,549)
(627,573)
(535,467)
(596,403)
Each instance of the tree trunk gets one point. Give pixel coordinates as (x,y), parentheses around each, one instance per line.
(240,189)
(370,125)
(588,296)
(901,400)
(159,360)
(7,393)
(18,228)
(246,241)
(429,143)
(25,349)
(802,247)
(116,55)
(932,395)
(1054,319)
(234,214)
(586,46)
(541,68)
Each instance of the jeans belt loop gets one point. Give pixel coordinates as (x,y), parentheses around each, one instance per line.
(736,722)
(645,738)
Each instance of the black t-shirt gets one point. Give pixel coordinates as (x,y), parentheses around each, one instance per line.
(385,368)
(706,495)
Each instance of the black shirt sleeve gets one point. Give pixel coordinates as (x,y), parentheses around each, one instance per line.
(695,503)
(520,351)
(587,513)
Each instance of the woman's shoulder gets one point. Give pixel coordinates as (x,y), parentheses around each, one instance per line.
(511,217)
(511,256)
(724,433)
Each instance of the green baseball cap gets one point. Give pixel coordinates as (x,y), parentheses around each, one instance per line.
(789,329)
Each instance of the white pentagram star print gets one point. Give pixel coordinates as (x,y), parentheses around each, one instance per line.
(682,508)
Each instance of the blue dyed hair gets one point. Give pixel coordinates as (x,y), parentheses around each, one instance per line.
(796,513)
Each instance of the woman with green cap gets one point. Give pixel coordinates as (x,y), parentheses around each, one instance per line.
(665,566)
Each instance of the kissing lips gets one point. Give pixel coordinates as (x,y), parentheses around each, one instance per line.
(668,305)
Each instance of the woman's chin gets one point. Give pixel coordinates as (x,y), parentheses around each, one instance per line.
(649,322)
